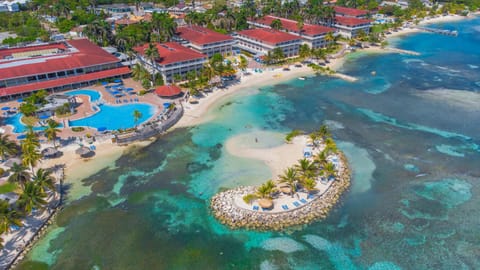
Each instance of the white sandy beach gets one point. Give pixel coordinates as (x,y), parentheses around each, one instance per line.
(276,158)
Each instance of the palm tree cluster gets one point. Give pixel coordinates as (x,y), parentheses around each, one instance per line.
(34,185)
(305,173)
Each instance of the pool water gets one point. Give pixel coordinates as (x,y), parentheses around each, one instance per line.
(114,117)
(94,95)
(18,126)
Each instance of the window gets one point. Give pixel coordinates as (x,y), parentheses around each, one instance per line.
(42,77)
(70,72)
(52,75)
(32,78)
(79,70)
(61,74)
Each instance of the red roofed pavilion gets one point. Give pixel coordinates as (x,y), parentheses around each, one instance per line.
(168,91)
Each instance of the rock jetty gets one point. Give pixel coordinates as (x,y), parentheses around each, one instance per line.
(227,212)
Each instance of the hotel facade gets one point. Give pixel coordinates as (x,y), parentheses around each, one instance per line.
(55,67)
(350,21)
(261,40)
(312,35)
(175,59)
(205,41)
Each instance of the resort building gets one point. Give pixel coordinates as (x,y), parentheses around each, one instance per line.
(9,6)
(204,40)
(260,41)
(349,27)
(312,35)
(174,59)
(350,12)
(56,66)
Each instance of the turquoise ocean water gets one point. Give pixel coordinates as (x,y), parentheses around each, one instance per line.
(411,133)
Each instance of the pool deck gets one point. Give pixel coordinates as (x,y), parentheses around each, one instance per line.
(85,107)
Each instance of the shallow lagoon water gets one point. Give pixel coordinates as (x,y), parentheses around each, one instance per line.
(411,206)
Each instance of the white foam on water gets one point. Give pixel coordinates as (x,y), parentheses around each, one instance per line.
(362,166)
(283,244)
(472,66)
(268,265)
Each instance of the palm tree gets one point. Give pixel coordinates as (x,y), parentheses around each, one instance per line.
(324,132)
(44,179)
(152,55)
(305,167)
(276,24)
(314,137)
(290,178)
(321,159)
(139,73)
(7,146)
(329,38)
(31,138)
(304,51)
(31,197)
(30,156)
(136,116)
(309,184)
(19,174)
(51,131)
(8,217)
(265,190)
(330,170)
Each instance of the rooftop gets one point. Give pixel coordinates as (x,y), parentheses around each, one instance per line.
(269,36)
(350,21)
(350,11)
(291,25)
(168,91)
(200,35)
(172,52)
(47,58)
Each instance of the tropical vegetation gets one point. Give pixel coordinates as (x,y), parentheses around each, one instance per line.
(305,174)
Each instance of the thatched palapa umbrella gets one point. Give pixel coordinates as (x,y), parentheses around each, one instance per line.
(9,163)
(83,151)
(50,152)
(265,203)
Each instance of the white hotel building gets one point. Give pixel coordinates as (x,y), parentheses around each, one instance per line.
(260,41)
(312,35)
(205,41)
(174,59)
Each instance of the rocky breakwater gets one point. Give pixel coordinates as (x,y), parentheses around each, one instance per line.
(229,213)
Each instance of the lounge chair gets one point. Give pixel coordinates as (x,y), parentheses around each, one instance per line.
(310,196)
(255,208)
(296,204)
(125,101)
(285,207)
(303,200)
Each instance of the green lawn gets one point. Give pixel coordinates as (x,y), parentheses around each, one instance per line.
(7,187)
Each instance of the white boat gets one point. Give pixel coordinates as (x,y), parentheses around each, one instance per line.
(302,78)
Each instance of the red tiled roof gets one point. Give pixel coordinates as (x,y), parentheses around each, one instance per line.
(25,88)
(291,25)
(88,54)
(200,35)
(350,11)
(269,36)
(172,52)
(125,21)
(8,52)
(350,21)
(168,90)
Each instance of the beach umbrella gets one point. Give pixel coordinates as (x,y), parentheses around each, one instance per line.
(265,203)
(9,163)
(101,129)
(20,100)
(83,151)
(129,89)
(5,108)
(117,81)
(104,83)
(21,137)
(166,105)
(49,152)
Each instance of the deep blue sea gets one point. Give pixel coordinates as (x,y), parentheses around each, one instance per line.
(412,136)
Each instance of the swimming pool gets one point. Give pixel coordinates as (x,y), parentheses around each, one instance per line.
(94,95)
(18,126)
(114,117)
